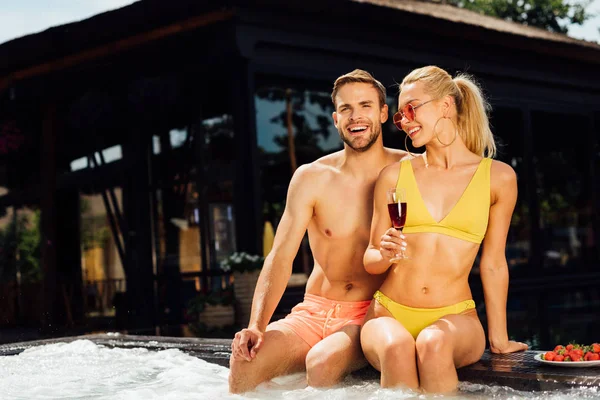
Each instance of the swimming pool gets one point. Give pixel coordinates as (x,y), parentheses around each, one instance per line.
(83,369)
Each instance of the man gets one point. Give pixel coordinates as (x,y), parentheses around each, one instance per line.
(332,197)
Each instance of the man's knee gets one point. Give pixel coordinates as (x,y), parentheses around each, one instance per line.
(268,363)
(241,376)
(235,378)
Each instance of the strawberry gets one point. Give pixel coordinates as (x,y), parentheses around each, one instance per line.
(574,355)
(559,357)
(596,347)
(559,347)
(569,347)
(549,356)
(592,356)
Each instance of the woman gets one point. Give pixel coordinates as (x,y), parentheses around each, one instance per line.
(423,324)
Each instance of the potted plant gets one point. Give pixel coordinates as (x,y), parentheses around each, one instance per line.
(245,269)
(211,311)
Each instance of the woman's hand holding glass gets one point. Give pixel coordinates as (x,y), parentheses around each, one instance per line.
(392,244)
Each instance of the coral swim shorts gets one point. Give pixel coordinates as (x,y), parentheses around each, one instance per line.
(317,317)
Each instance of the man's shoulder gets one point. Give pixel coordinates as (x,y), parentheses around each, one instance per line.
(319,169)
(326,164)
(330,160)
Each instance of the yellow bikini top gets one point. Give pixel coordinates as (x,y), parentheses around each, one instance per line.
(467,220)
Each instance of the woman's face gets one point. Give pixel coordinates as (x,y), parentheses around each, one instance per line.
(420,130)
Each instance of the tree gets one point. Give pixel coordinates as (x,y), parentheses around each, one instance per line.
(20,248)
(552,15)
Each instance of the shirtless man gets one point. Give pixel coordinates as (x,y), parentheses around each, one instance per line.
(332,198)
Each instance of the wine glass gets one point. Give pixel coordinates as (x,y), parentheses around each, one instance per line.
(396,198)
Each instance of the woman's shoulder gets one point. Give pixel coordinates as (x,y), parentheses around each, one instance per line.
(389,174)
(502,172)
(503,179)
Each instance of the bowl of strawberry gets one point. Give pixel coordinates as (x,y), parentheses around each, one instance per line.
(572,355)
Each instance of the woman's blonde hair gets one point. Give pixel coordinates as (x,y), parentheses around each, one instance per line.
(471,106)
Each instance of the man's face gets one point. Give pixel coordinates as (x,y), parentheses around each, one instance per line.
(358,116)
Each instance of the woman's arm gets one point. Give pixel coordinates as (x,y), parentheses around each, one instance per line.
(385,242)
(493,267)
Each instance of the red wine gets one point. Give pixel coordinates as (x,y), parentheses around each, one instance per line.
(397,214)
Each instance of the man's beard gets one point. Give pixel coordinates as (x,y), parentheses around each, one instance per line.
(370,141)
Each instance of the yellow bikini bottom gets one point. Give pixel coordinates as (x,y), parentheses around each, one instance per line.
(417,319)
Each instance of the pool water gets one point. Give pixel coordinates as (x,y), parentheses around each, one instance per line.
(84,370)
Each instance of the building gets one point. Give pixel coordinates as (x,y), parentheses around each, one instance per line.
(152,141)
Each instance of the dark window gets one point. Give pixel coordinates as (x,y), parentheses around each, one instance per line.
(507,126)
(301,117)
(564,190)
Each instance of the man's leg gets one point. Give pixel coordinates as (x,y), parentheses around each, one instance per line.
(282,352)
(330,360)
(452,342)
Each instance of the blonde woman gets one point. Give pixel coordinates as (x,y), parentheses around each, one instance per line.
(422,324)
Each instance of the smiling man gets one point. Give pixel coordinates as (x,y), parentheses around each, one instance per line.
(332,198)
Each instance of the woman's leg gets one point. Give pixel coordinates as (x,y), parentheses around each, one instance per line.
(451,342)
(389,348)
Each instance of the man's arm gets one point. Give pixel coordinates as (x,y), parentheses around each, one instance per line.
(277,268)
(493,267)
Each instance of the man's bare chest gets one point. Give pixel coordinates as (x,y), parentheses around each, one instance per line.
(344,211)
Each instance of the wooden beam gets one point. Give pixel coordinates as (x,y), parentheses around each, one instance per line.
(115,47)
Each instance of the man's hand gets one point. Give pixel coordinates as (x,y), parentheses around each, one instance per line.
(508,347)
(392,243)
(246,343)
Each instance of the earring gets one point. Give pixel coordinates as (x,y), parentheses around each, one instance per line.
(406,147)
(437,136)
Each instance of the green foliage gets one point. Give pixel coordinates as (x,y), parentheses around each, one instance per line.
(240,262)
(20,249)
(552,15)
(306,137)
(8,247)
(94,232)
(30,252)
(312,129)
(198,304)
